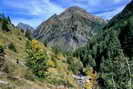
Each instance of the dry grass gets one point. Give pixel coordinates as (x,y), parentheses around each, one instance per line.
(19,76)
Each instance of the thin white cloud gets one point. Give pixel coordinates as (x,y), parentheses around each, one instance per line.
(103,6)
(35,7)
(117,1)
(110,14)
(45,8)
(39,8)
(94,2)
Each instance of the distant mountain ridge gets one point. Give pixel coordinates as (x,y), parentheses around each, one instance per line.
(25,27)
(69,30)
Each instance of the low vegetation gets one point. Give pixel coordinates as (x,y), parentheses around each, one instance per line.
(48,66)
(12,47)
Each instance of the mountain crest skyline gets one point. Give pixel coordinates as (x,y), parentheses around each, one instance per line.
(34,12)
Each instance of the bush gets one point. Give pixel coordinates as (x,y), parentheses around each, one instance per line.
(28,34)
(5,21)
(58,79)
(37,58)
(12,47)
(74,64)
(1,49)
(5,26)
(2,59)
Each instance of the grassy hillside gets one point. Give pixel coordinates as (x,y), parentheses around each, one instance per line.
(14,72)
(29,64)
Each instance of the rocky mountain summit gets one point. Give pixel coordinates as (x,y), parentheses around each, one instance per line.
(69,30)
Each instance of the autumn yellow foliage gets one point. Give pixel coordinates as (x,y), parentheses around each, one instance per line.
(89,84)
(48,65)
(52,70)
(37,46)
(51,63)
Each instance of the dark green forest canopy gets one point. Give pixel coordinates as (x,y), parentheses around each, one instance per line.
(110,52)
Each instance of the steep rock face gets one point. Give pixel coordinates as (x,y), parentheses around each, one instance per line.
(69,30)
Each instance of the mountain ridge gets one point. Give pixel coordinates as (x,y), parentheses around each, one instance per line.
(24,26)
(125,13)
(69,30)
(104,62)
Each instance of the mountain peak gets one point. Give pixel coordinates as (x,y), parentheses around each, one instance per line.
(75,8)
(69,30)
(80,12)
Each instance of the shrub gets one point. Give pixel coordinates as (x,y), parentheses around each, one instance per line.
(5,25)
(12,47)
(19,38)
(28,34)
(5,21)
(51,63)
(74,64)
(2,59)
(37,58)
(58,79)
(1,49)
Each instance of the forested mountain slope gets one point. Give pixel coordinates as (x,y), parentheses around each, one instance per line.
(110,52)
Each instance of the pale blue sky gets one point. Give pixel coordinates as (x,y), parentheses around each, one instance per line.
(33,12)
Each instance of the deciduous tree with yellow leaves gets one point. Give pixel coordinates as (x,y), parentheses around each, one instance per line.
(37,58)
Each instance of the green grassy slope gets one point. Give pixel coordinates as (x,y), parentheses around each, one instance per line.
(20,70)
